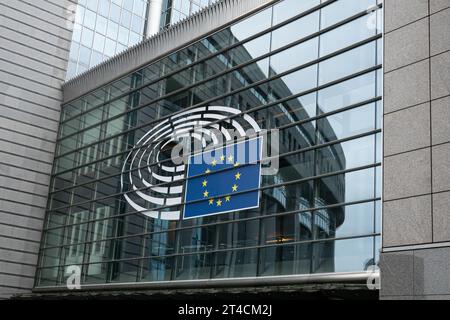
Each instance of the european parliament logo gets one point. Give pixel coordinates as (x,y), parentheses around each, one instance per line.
(224,180)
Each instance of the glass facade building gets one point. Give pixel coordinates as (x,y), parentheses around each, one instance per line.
(175,10)
(311,70)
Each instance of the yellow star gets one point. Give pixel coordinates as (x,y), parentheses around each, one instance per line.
(219,203)
(205,183)
(214,162)
(222,158)
(235,187)
(230,158)
(238,176)
(211,202)
(206,194)
(227,199)
(237,164)
(208,171)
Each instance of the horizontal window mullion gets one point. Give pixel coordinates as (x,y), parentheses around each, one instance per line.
(272,215)
(290,153)
(232,93)
(258,189)
(260,246)
(183,203)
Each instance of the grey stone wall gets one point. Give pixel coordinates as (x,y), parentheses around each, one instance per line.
(35,38)
(415,262)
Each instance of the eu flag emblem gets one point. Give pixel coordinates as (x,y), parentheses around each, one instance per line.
(224,180)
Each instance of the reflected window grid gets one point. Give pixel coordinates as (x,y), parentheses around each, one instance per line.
(119,247)
(175,10)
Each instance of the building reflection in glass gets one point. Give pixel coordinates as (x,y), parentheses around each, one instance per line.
(318,214)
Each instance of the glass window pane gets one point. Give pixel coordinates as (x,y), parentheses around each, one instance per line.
(76,35)
(311,218)
(74,50)
(351,255)
(48,276)
(123,35)
(249,50)
(137,24)
(79,16)
(110,47)
(92,4)
(275,261)
(99,42)
(126,18)
(85,55)
(347,155)
(128,4)
(113,29)
(96,58)
(194,266)
(134,38)
(157,269)
(101,25)
(139,7)
(235,264)
(349,187)
(348,221)
(114,13)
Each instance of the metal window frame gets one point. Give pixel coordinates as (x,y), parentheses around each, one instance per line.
(219,8)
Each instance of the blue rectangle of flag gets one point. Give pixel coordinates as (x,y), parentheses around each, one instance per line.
(224,179)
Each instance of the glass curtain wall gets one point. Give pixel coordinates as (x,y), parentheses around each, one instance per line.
(312,70)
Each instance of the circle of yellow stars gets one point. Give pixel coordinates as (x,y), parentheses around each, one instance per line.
(234,188)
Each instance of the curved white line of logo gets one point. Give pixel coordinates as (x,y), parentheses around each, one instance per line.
(137,171)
